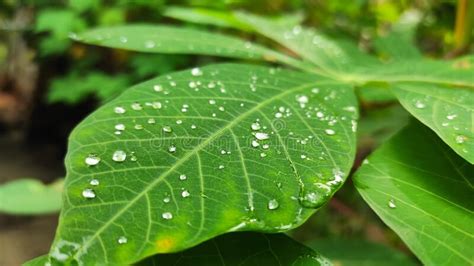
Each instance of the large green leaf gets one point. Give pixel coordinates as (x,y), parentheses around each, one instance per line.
(447,111)
(208,151)
(359,252)
(423,191)
(245,249)
(178,40)
(30,196)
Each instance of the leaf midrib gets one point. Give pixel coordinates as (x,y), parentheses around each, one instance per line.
(188,155)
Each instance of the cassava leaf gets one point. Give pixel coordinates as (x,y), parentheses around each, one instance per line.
(178,40)
(30,196)
(423,191)
(359,252)
(447,111)
(192,155)
(245,249)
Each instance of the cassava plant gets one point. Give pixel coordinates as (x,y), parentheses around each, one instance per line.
(176,162)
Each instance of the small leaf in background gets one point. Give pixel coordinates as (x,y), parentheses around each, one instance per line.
(422,190)
(30,197)
(245,249)
(446,110)
(188,156)
(75,87)
(352,252)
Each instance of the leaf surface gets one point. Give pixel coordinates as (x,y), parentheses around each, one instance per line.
(423,191)
(195,154)
(447,111)
(179,40)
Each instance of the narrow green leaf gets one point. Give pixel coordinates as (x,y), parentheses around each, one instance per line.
(244,249)
(352,252)
(334,57)
(447,111)
(30,196)
(208,151)
(423,191)
(178,40)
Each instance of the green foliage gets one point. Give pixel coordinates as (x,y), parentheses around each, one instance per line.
(423,191)
(184,157)
(74,87)
(30,196)
(206,140)
(352,252)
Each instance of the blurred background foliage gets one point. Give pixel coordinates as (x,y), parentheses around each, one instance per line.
(48,83)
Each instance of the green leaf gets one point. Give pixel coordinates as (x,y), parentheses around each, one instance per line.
(352,252)
(423,191)
(447,111)
(335,57)
(194,166)
(243,249)
(75,87)
(177,40)
(30,196)
(236,249)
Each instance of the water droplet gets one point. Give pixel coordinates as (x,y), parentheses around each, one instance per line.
(391,204)
(419,104)
(92,159)
(316,197)
(94,182)
(255,144)
(119,156)
(88,193)
(221,167)
(123,39)
(122,240)
(150,44)
(158,88)
(166,199)
(278,115)
(120,127)
(136,106)
(179,122)
(263,155)
(255,126)
(212,101)
(221,108)
(185,194)
(196,71)
(119,110)
(261,136)
(182,177)
(460,139)
(315,90)
(303,156)
(273,204)
(451,117)
(330,131)
(156,105)
(302,99)
(138,127)
(167,129)
(265,146)
(193,127)
(172,149)
(151,121)
(167,215)
(133,157)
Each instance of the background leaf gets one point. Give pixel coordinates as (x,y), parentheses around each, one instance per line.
(423,191)
(30,196)
(208,151)
(178,40)
(243,249)
(447,111)
(359,252)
